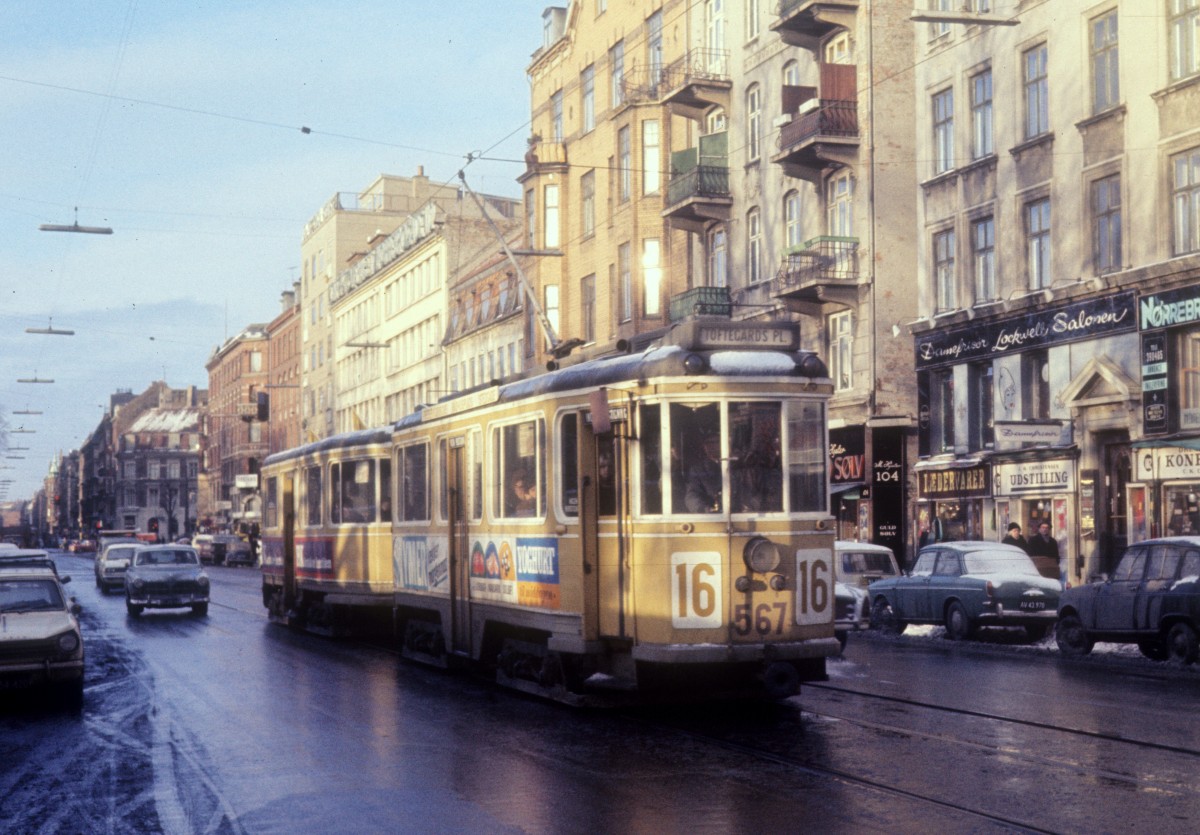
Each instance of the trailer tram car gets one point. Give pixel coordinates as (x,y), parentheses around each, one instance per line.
(649,523)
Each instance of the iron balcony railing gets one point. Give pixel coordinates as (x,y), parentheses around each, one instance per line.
(701,181)
(699,65)
(701,301)
(831,118)
(827,259)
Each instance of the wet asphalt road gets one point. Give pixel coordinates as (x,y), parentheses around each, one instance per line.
(228,724)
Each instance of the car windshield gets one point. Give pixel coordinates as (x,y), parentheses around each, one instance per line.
(119,553)
(993,563)
(166,558)
(867,562)
(29,595)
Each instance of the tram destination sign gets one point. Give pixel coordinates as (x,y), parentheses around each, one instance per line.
(725,335)
(1041,328)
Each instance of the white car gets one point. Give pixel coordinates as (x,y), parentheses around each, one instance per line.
(113,562)
(856,565)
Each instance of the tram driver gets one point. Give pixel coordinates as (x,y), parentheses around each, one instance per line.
(704,477)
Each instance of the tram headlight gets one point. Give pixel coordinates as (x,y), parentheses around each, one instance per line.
(761,555)
(694,364)
(812,367)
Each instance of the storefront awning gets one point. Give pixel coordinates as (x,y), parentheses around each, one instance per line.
(843,486)
(1181,443)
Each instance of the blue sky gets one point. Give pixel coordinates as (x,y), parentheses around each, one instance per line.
(178,125)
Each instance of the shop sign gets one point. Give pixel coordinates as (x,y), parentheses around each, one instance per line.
(1166,464)
(1088,319)
(1155,393)
(1166,310)
(887,482)
(1010,433)
(847,455)
(963,482)
(1027,477)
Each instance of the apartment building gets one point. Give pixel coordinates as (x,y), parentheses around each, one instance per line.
(235,440)
(283,374)
(1059,263)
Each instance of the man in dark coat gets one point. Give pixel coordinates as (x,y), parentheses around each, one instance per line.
(1013,537)
(1044,550)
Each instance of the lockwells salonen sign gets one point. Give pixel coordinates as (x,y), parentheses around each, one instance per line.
(1053,325)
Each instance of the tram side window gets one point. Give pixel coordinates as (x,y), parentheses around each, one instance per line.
(807,453)
(568,457)
(652,472)
(756,466)
(476,440)
(518,464)
(385,490)
(312,497)
(271,511)
(411,462)
(354,492)
(696,472)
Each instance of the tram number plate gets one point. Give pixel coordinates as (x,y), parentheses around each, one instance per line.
(763,619)
(696,591)
(814,586)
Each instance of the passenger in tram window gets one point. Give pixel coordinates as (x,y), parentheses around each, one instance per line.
(522,495)
(607,485)
(704,477)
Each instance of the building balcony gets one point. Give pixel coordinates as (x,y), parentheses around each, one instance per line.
(697,197)
(823,134)
(804,23)
(823,271)
(697,82)
(544,157)
(701,301)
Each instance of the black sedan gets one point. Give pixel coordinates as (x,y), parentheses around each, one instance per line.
(166,577)
(1152,599)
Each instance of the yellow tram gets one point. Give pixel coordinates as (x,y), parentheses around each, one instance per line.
(647,522)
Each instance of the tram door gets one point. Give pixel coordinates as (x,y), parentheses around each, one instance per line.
(289,541)
(605,471)
(460,547)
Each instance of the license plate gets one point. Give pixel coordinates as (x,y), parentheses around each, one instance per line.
(166,601)
(15,682)
(1033,605)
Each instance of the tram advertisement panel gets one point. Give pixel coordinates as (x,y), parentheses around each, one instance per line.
(314,557)
(421,562)
(521,570)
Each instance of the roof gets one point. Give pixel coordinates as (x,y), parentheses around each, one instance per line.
(167,420)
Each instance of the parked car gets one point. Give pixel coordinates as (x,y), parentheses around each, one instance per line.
(856,566)
(41,643)
(202,542)
(1152,599)
(166,577)
(112,562)
(230,549)
(966,585)
(84,546)
(15,557)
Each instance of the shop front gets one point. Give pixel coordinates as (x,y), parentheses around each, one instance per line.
(1036,491)
(952,501)
(1164,499)
(868,492)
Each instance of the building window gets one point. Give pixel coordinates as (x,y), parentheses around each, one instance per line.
(982,142)
(939,28)
(625,271)
(616,64)
(601,7)
(943,271)
(718,258)
(1106,90)
(983,251)
(550,306)
(839,202)
(791,74)
(255,360)
(587,308)
(530,219)
(1189,396)
(981,417)
(753,120)
(651,166)
(753,247)
(943,131)
(1035,378)
(551,217)
(1185,197)
(841,350)
(714,27)
(941,410)
(556,110)
(1106,224)
(654,46)
(652,277)
(1184,27)
(1037,237)
(751,19)
(623,164)
(587,189)
(792,219)
(1037,105)
(587,92)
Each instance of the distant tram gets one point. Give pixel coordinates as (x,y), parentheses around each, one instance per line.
(652,522)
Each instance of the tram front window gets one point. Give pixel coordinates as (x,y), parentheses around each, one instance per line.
(696,478)
(756,466)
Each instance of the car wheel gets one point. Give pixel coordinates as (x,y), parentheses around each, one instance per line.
(1154,649)
(133,608)
(1036,631)
(200,609)
(959,627)
(1071,636)
(1182,644)
(884,618)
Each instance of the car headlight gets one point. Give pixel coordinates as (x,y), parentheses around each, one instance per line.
(137,582)
(68,642)
(202,580)
(761,555)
